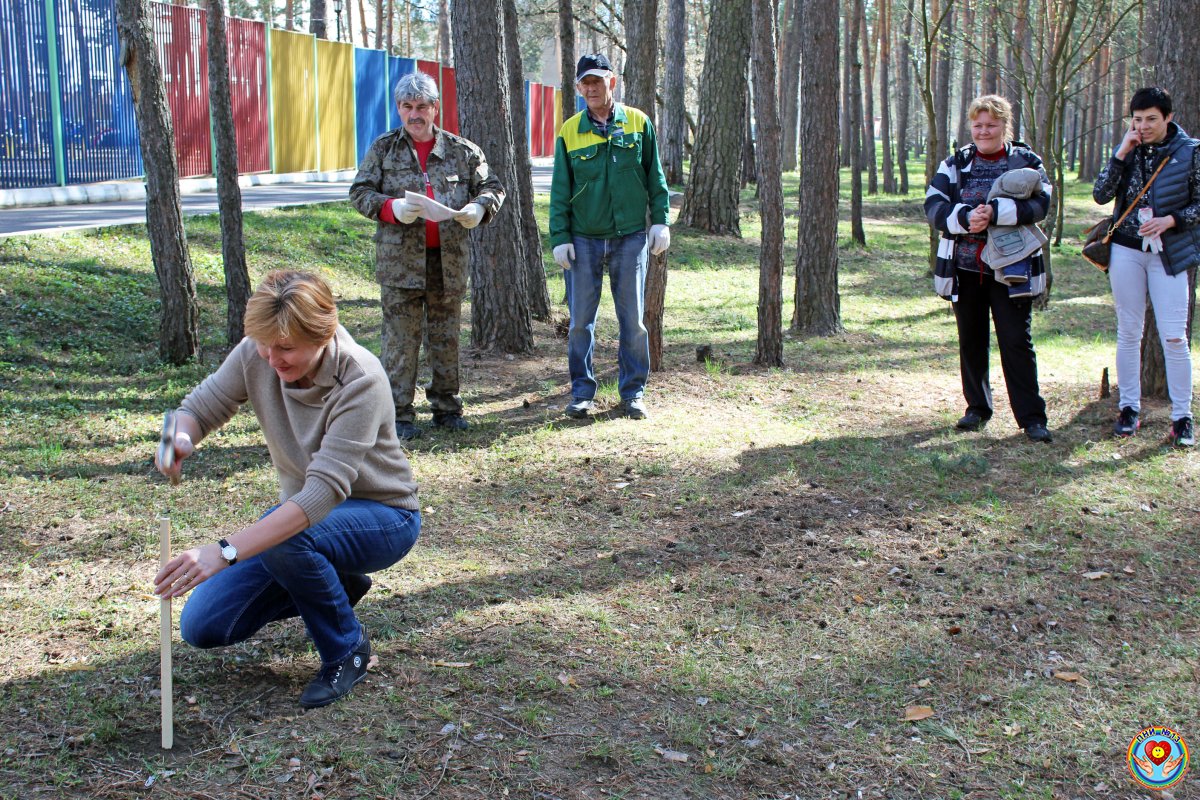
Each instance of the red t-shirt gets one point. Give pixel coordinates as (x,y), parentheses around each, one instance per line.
(432,238)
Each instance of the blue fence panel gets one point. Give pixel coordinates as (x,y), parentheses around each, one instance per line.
(26,126)
(396,68)
(528,121)
(371,97)
(100,138)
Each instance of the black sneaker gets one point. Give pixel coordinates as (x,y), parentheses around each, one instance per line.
(1037,432)
(450,422)
(1182,434)
(334,681)
(1127,422)
(407,431)
(971,421)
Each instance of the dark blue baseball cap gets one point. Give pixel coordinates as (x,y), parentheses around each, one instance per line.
(595,64)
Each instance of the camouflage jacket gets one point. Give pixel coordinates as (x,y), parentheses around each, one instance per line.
(459,174)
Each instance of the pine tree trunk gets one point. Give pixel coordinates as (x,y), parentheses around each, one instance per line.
(641,81)
(857,233)
(885,105)
(318,25)
(229,194)
(445,53)
(966,88)
(818,308)
(711,200)
(904,96)
(500,313)
(520,194)
(769,352)
(789,82)
(290,13)
(990,71)
(941,97)
(849,58)
(641,49)
(868,99)
(1177,69)
(566,44)
(178,336)
(362,22)
(674,123)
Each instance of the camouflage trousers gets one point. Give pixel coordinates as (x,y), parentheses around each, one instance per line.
(407,313)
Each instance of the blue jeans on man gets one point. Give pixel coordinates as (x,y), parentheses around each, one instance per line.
(625,258)
(303,576)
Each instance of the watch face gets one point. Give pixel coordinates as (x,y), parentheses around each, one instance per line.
(229,552)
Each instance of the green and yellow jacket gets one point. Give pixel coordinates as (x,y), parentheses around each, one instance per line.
(603,186)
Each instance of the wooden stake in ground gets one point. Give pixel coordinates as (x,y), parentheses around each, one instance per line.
(166,458)
(164,637)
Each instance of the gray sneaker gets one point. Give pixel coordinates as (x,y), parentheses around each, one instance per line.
(579,407)
(634,408)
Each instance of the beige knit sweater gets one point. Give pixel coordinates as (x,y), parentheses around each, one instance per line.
(334,440)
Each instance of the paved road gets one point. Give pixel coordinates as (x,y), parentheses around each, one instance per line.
(84,216)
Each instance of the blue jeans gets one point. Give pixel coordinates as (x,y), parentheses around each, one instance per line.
(626,260)
(300,577)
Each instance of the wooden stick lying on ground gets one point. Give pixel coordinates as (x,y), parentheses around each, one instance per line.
(164,640)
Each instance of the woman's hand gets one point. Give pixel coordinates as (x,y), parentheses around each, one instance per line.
(979,218)
(188,570)
(186,431)
(1156,226)
(1131,140)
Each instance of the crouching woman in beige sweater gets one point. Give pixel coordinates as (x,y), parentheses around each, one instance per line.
(347,501)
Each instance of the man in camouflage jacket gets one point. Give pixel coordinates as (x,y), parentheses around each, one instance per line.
(421,265)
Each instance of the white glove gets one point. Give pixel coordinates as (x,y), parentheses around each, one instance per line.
(470,216)
(564,254)
(405,212)
(660,239)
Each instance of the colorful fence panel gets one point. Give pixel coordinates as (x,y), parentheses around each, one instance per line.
(396,67)
(371,97)
(449,100)
(100,131)
(248,88)
(183,50)
(26,128)
(294,98)
(335,105)
(534,110)
(549,115)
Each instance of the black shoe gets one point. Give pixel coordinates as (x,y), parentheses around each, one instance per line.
(971,421)
(356,586)
(1127,422)
(407,431)
(1182,434)
(450,422)
(334,681)
(1037,432)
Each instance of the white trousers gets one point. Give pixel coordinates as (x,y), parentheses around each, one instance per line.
(1132,273)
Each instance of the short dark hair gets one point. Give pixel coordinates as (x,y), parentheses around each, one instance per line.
(1150,97)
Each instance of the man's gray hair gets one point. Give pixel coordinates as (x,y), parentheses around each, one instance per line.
(416,86)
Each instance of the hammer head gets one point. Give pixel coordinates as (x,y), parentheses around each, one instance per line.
(166,443)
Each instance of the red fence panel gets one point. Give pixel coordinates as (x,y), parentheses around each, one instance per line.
(547,120)
(449,100)
(248,88)
(535,119)
(183,49)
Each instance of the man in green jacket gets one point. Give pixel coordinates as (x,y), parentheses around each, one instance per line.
(607,175)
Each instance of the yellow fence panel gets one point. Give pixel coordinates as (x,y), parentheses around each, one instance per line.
(335,105)
(293,99)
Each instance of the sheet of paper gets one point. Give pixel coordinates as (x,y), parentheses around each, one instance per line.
(431,209)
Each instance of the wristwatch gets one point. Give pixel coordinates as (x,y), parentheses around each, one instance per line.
(228,552)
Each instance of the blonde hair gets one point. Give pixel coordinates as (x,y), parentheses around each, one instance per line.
(289,303)
(998,107)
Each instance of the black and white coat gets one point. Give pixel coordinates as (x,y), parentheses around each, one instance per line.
(949,216)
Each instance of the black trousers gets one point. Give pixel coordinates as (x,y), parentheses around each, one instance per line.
(978,297)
